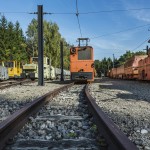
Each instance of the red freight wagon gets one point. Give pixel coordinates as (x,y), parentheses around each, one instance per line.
(144,68)
(114,72)
(120,72)
(131,67)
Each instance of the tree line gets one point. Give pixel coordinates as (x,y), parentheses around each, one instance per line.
(104,65)
(15,45)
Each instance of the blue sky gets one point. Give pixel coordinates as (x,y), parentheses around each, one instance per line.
(92,25)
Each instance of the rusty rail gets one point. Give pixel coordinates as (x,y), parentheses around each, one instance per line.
(10,126)
(116,139)
(13,84)
(8,82)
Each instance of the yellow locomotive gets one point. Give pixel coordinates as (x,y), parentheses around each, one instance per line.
(14,68)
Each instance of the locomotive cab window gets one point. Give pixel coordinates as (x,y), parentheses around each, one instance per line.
(84,54)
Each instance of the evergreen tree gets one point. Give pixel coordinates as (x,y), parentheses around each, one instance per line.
(3,37)
(12,41)
(20,44)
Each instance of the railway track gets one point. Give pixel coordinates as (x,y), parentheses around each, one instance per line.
(63,123)
(4,85)
(127,104)
(7,82)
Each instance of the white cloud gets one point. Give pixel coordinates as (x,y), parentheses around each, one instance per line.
(107,44)
(141,15)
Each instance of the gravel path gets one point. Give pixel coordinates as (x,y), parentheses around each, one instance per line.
(127,103)
(14,98)
(63,123)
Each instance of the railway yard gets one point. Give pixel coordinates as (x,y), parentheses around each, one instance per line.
(67,121)
(67,85)
(61,122)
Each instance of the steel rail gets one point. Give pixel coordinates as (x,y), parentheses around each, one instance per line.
(8,82)
(10,126)
(14,83)
(115,138)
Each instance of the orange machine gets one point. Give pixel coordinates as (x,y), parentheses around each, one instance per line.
(82,63)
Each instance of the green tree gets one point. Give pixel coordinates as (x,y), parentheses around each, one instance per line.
(20,43)
(124,57)
(52,39)
(12,41)
(32,38)
(3,37)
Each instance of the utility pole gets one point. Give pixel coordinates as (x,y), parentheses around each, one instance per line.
(61,61)
(113,60)
(40,46)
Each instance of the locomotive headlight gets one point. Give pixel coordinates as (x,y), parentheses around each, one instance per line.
(73,50)
(92,65)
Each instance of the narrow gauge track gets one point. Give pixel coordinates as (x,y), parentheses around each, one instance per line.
(16,97)
(127,104)
(8,84)
(62,124)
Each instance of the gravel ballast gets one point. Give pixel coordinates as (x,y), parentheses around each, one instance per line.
(63,123)
(127,103)
(14,98)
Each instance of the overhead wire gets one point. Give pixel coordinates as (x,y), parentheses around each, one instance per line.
(94,12)
(107,34)
(11,12)
(108,11)
(141,44)
(82,13)
(77,14)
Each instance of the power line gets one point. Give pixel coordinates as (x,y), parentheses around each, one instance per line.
(102,11)
(7,12)
(23,13)
(141,44)
(108,11)
(96,12)
(83,13)
(120,31)
(77,14)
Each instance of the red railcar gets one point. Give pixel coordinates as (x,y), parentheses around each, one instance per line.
(137,67)
(113,73)
(120,72)
(144,68)
(131,67)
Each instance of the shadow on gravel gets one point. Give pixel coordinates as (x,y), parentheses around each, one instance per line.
(59,82)
(97,80)
(27,85)
(126,89)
